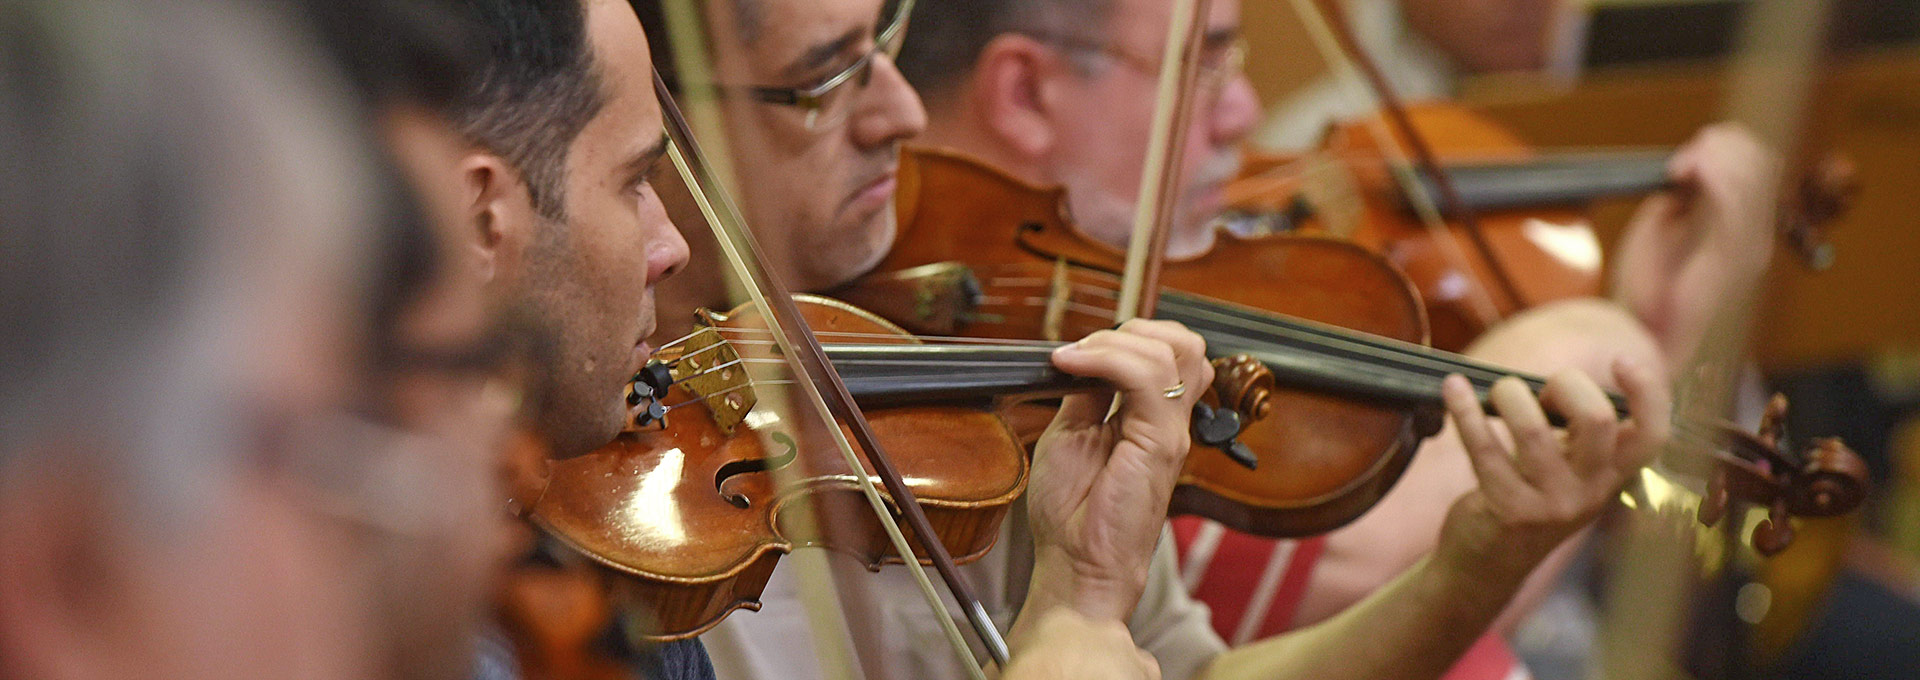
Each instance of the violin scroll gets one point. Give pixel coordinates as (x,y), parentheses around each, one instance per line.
(1825,480)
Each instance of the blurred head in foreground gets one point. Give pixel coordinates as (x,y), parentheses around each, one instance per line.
(208,465)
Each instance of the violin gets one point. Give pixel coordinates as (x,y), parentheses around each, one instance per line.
(1529,229)
(1340,389)
(696,501)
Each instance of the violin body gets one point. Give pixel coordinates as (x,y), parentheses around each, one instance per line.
(1548,249)
(1530,207)
(695,514)
(1323,460)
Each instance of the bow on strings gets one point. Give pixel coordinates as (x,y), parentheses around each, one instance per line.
(816,379)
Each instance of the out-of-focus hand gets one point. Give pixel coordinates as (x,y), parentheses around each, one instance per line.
(1687,253)
(1067,645)
(1100,486)
(1537,485)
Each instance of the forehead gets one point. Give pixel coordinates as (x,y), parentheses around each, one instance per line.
(625,66)
(776,32)
(1145,22)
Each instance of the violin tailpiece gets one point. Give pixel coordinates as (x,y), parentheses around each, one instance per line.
(726,390)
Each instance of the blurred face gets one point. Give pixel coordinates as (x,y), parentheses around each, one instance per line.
(817,183)
(447,395)
(589,282)
(1108,115)
(1485,35)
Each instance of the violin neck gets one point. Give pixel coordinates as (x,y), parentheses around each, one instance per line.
(900,374)
(1307,355)
(1568,178)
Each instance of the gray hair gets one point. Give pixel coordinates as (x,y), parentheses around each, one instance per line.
(166,170)
(946,38)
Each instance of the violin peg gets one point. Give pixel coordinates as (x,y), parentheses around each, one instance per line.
(1775,533)
(1713,504)
(1771,538)
(1773,421)
(1833,481)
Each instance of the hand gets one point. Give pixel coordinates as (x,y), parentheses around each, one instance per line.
(1068,645)
(1547,485)
(1100,486)
(1686,252)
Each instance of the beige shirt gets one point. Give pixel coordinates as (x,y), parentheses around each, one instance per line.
(893,634)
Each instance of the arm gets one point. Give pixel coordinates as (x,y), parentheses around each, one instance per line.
(1533,495)
(1687,253)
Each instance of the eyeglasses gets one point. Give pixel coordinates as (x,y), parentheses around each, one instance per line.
(828,103)
(1218,63)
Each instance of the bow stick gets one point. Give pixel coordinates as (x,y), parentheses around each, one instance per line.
(821,384)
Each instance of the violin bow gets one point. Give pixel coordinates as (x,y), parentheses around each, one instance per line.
(820,384)
(1333,35)
(1156,209)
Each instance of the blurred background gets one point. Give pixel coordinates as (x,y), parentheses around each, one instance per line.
(1842,343)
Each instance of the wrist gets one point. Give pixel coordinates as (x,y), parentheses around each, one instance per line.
(1477,547)
(1096,592)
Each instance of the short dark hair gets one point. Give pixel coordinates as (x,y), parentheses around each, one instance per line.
(946,38)
(539,89)
(419,52)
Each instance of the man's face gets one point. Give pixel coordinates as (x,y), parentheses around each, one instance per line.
(1106,119)
(589,280)
(819,195)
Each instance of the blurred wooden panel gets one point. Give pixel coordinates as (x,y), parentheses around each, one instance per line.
(1870,110)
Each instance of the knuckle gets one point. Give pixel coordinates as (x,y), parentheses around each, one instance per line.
(1539,439)
(1591,420)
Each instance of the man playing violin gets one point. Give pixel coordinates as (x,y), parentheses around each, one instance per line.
(1061,92)
(567,228)
(816,111)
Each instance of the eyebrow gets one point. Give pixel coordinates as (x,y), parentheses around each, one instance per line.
(821,55)
(643,162)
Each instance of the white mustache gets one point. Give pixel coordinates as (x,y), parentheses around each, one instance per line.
(1217,170)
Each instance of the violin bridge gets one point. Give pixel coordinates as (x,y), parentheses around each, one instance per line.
(1059,295)
(711,370)
(1333,194)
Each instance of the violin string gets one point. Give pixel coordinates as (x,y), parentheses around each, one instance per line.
(676,342)
(895,338)
(1697,438)
(1407,355)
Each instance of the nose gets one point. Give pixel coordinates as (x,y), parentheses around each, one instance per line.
(667,253)
(889,110)
(1234,114)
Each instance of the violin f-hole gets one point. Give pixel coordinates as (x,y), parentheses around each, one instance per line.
(751,466)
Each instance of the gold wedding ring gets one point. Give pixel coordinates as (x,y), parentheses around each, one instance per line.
(1176,391)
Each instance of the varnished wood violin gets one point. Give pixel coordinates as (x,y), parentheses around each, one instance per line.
(1341,387)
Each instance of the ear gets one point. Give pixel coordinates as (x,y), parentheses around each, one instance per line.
(1013,93)
(498,211)
(57,610)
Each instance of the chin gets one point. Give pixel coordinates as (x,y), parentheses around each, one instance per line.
(861,250)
